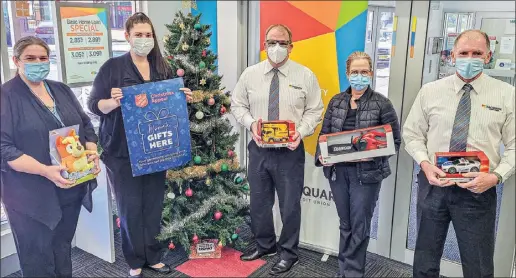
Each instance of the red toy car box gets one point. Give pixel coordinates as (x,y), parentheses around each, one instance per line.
(357,144)
(455,164)
(276,134)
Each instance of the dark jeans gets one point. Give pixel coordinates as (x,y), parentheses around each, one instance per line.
(473,217)
(280,170)
(355,204)
(140,205)
(43,252)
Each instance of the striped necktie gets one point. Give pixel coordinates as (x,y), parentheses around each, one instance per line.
(459,136)
(274,97)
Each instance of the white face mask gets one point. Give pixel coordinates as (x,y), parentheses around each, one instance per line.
(276,53)
(142,46)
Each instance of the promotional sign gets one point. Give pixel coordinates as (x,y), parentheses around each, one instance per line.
(156,126)
(84,40)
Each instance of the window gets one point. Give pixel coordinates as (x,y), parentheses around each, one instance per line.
(454,24)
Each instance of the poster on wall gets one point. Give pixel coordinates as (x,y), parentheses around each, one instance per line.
(156,125)
(84,40)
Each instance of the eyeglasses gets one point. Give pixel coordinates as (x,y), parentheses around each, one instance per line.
(283,44)
(355,73)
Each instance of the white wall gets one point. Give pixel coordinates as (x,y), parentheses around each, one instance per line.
(161,13)
(231,55)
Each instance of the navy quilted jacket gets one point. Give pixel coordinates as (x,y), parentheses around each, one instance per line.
(374,109)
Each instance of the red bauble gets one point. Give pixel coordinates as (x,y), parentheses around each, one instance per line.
(118,222)
(217,215)
(180,72)
(189,192)
(204,53)
(237,231)
(171,246)
(211,101)
(195,239)
(170,57)
(231,153)
(223,110)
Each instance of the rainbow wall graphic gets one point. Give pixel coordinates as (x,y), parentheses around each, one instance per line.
(324,33)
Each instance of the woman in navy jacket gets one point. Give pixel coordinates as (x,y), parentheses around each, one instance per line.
(42,208)
(355,185)
(139,199)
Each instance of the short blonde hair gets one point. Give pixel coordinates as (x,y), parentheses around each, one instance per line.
(282,26)
(475,31)
(357,55)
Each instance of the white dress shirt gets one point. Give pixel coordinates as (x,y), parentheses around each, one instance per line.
(299,96)
(429,124)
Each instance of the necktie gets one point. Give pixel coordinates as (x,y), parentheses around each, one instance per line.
(459,136)
(274,97)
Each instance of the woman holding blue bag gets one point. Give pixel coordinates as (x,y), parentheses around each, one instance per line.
(355,185)
(139,199)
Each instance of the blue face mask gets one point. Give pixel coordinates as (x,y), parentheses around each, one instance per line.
(36,72)
(359,82)
(469,67)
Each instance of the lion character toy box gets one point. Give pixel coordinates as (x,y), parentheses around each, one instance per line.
(276,134)
(455,164)
(357,144)
(66,150)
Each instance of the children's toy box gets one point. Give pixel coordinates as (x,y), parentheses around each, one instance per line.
(357,144)
(455,164)
(276,134)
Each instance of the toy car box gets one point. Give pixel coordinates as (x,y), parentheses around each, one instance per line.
(455,164)
(276,134)
(357,144)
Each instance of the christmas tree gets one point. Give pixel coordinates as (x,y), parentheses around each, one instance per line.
(205,199)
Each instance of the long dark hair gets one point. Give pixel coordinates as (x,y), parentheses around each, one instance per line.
(154,56)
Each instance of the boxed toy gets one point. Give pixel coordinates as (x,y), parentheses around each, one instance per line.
(455,164)
(206,249)
(357,144)
(67,150)
(276,134)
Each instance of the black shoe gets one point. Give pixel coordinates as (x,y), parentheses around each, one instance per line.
(255,254)
(283,266)
(165,269)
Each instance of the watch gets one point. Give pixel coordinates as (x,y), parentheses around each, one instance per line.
(498,176)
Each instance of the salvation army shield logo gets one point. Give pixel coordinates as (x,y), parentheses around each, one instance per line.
(141,100)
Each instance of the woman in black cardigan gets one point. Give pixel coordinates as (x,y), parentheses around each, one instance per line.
(42,208)
(139,199)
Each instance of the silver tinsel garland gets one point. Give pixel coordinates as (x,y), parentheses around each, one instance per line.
(186,62)
(205,209)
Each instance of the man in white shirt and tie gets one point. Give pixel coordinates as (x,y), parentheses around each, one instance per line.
(277,89)
(468,111)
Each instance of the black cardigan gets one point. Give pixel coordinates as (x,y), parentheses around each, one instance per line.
(117,72)
(25,126)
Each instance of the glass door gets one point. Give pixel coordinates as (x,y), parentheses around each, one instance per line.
(432,36)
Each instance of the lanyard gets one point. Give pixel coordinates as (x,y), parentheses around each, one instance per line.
(54,112)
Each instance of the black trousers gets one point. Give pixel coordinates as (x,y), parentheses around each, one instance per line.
(280,170)
(44,252)
(355,204)
(140,205)
(473,217)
